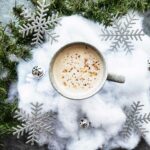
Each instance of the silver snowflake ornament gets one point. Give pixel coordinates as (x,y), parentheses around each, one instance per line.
(135,120)
(122,33)
(34,123)
(39,24)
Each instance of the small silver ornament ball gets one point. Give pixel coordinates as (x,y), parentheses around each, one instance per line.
(37,72)
(84,123)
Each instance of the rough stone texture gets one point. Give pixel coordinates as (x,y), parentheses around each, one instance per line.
(12,143)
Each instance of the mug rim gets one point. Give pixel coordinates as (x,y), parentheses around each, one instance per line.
(51,77)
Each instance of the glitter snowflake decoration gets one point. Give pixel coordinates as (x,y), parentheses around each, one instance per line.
(39,24)
(122,33)
(34,123)
(135,120)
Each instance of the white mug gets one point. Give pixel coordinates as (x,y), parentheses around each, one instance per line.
(106,75)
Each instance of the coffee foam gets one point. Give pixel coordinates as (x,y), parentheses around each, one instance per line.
(78,70)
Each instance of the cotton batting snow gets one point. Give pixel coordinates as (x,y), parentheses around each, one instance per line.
(105,109)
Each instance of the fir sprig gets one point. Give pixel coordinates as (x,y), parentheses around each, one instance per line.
(9,46)
(101,11)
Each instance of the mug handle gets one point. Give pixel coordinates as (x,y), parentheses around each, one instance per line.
(115,78)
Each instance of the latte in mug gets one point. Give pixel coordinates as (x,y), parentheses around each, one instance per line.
(77,71)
